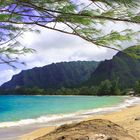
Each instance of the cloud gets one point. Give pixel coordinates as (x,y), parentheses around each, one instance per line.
(55,47)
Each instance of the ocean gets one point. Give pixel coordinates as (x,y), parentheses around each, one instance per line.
(23,110)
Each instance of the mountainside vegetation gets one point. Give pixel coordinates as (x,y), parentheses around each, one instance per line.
(64,74)
(123,67)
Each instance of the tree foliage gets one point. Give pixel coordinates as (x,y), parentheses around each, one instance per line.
(103,89)
(83,19)
(137,87)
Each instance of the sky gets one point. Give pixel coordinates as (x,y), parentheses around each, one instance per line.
(52,47)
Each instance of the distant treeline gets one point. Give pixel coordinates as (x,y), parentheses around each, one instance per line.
(106,87)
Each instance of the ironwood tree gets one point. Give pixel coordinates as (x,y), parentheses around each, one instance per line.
(85,19)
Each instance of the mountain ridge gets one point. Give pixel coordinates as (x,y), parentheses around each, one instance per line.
(122,66)
(55,75)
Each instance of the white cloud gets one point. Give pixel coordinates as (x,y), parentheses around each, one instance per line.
(55,47)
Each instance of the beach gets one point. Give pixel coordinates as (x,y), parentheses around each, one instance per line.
(128,118)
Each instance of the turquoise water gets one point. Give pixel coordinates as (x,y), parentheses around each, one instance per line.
(15,108)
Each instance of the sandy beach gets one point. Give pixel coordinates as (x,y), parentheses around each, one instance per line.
(128,118)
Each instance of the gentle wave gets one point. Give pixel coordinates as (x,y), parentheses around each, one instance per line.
(128,102)
(41,119)
(82,114)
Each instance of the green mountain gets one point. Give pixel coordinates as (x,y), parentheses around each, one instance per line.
(64,74)
(81,77)
(122,66)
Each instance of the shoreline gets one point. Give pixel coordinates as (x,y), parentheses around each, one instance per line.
(35,130)
(128,118)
